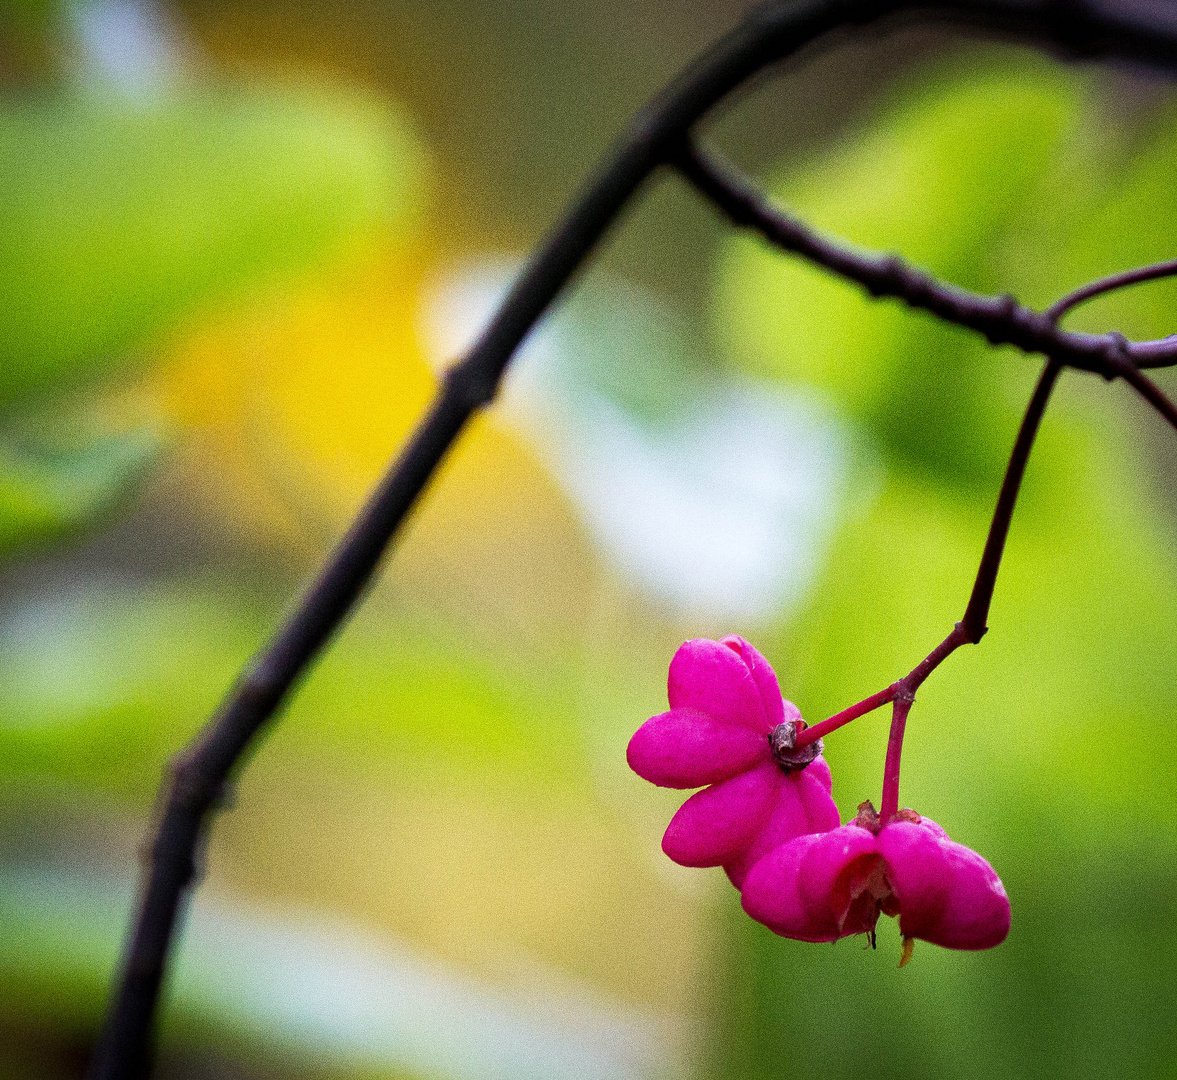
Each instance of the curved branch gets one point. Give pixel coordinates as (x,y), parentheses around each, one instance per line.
(977,613)
(773,32)
(1111,283)
(1001,319)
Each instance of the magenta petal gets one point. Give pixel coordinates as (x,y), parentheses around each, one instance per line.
(804,805)
(928,823)
(714,679)
(977,913)
(685,749)
(820,878)
(947,893)
(920,875)
(771,894)
(765,679)
(813,785)
(819,771)
(714,825)
(785,823)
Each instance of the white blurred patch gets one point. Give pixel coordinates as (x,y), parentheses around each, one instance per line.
(333,995)
(52,672)
(132,47)
(721,510)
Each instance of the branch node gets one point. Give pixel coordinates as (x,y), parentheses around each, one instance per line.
(1004,317)
(1117,355)
(888,279)
(470,386)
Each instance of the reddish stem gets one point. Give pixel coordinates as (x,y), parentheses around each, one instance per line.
(904,696)
(915,678)
(812,734)
(902,693)
(890,802)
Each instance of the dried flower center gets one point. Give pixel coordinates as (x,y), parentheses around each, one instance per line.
(868,817)
(782,740)
(875,884)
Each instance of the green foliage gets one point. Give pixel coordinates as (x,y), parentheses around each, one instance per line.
(940,177)
(118,220)
(101,686)
(50,491)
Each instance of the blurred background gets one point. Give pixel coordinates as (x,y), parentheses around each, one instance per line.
(239,241)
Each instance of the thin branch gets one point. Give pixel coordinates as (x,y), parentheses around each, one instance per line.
(1134,377)
(1111,283)
(977,612)
(771,33)
(1122,359)
(861,708)
(972,626)
(199,776)
(1001,319)
(914,679)
(1151,393)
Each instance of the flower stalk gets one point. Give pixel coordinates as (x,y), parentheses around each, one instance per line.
(889,806)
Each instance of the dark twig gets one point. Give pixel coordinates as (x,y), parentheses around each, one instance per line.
(1151,393)
(1001,319)
(977,613)
(1122,357)
(1111,283)
(972,626)
(771,33)
(1144,386)
(199,776)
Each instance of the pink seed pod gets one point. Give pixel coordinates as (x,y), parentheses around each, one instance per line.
(729,728)
(827,886)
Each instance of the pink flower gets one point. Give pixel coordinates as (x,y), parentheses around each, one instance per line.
(823,887)
(728,727)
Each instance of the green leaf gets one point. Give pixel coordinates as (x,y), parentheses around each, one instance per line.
(49,492)
(117,221)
